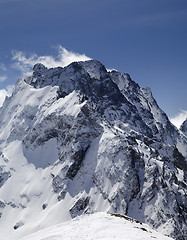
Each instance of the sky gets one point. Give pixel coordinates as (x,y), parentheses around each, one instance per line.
(147,39)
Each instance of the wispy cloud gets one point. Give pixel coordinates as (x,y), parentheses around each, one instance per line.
(64,57)
(3,78)
(2,67)
(179,118)
(5,92)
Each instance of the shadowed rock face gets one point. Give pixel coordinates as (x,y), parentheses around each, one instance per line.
(83,140)
(76,165)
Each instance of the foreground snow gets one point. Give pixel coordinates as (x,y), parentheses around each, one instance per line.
(98,226)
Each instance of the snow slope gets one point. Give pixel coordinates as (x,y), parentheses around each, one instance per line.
(98,226)
(183,127)
(79,140)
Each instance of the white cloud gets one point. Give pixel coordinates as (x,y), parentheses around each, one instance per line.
(64,57)
(179,118)
(3,78)
(5,92)
(2,67)
(111,69)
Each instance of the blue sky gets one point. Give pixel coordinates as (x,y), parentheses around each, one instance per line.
(146,38)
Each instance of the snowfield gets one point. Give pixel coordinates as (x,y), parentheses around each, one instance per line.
(98,226)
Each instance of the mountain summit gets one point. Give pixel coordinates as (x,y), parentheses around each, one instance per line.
(81,139)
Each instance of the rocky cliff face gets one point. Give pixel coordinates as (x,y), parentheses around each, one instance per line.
(81,139)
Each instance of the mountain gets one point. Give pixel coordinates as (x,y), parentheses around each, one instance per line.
(98,226)
(183,127)
(81,139)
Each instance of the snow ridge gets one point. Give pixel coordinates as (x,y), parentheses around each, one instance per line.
(98,226)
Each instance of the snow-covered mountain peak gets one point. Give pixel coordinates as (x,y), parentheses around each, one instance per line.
(95,69)
(80,139)
(39,67)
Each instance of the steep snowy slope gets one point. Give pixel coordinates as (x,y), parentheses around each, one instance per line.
(80,140)
(183,127)
(98,226)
